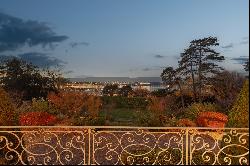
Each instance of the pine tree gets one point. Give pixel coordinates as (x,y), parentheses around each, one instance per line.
(200,61)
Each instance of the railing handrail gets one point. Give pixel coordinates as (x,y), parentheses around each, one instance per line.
(125,127)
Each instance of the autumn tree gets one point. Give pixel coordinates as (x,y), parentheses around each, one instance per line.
(226,87)
(200,61)
(171,77)
(22,77)
(7,110)
(140,92)
(239,114)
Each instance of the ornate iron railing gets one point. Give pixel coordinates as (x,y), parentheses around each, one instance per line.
(112,145)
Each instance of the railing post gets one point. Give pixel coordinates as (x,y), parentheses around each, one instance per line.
(187,146)
(89,146)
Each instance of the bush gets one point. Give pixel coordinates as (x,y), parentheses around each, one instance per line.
(148,119)
(38,105)
(157,105)
(68,103)
(8,116)
(238,115)
(211,119)
(193,110)
(186,123)
(37,119)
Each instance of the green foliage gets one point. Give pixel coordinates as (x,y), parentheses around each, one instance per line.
(28,79)
(192,111)
(238,115)
(38,105)
(125,102)
(148,118)
(161,92)
(87,121)
(8,115)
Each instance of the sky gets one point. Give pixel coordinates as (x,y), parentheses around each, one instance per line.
(111,38)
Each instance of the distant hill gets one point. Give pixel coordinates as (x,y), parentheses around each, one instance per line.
(119,79)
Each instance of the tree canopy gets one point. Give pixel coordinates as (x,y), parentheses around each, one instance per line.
(25,78)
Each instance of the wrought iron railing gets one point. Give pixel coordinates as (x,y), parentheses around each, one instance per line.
(114,145)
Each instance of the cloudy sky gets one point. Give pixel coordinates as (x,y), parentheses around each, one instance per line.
(120,37)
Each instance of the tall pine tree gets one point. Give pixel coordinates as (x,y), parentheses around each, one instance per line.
(200,62)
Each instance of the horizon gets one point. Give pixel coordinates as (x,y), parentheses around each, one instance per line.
(121,38)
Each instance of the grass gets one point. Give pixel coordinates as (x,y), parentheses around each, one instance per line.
(120,116)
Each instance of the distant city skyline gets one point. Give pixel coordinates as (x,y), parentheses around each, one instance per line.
(126,38)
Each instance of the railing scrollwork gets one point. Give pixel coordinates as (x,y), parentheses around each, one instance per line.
(113,145)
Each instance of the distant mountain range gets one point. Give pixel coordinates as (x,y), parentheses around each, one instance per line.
(119,79)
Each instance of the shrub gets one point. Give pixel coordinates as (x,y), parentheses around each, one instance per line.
(37,119)
(148,119)
(211,119)
(238,115)
(186,123)
(7,111)
(68,102)
(192,111)
(157,105)
(38,105)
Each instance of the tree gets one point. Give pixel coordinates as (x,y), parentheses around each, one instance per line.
(140,92)
(238,115)
(200,61)
(189,68)
(7,111)
(171,77)
(110,89)
(20,76)
(125,90)
(226,87)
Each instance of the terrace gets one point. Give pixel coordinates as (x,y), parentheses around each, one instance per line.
(119,145)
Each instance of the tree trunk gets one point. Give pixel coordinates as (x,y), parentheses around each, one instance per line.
(181,92)
(193,82)
(199,75)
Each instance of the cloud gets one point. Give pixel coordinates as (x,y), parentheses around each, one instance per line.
(241,59)
(159,56)
(74,44)
(228,46)
(41,60)
(152,68)
(5,58)
(16,33)
(245,40)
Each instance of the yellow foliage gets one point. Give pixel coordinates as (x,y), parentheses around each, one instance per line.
(7,110)
(238,115)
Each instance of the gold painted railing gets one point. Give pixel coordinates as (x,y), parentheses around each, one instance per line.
(115,145)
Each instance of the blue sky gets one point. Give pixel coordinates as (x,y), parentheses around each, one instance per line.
(133,37)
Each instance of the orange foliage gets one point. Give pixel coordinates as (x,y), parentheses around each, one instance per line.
(74,102)
(67,102)
(140,92)
(37,119)
(186,123)
(211,119)
(157,104)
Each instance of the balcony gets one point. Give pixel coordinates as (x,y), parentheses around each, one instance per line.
(115,145)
